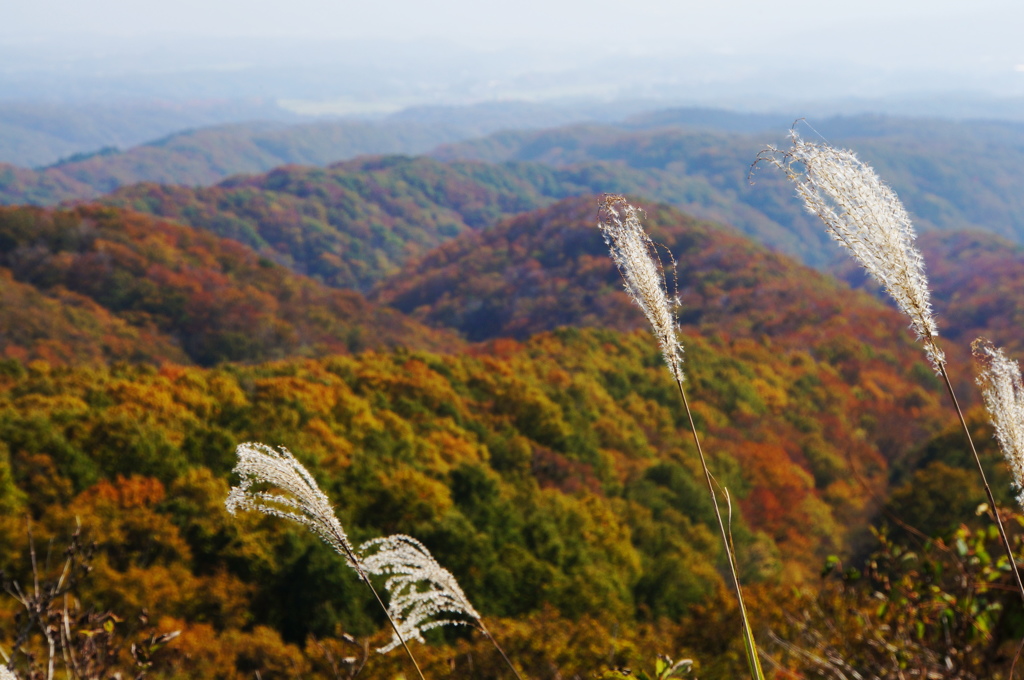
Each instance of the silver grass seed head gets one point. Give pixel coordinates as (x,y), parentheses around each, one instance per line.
(7,674)
(302,501)
(423,594)
(643,275)
(1003,392)
(863,215)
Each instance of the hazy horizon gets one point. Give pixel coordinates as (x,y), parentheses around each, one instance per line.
(320,57)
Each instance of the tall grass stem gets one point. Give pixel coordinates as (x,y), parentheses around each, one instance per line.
(984,480)
(487,634)
(753,659)
(643,275)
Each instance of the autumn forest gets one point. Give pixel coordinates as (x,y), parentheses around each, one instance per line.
(443,341)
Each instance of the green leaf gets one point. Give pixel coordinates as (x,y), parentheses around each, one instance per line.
(831,562)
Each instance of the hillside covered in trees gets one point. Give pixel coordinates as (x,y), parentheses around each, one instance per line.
(99,283)
(446,345)
(49,154)
(952,176)
(553,473)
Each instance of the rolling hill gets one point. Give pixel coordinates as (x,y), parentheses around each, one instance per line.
(201,155)
(550,268)
(208,155)
(129,287)
(355,222)
(951,176)
(35,133)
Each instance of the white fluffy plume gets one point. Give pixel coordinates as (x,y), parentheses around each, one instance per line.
(302,500)
(636,256)
(1003,391)
(423,594)
(867,218)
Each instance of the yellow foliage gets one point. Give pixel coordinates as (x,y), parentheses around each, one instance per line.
(413,497)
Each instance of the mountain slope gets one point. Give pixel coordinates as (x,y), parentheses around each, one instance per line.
(62,327)
(35,133)
(355,222)
(207,298)
(206,155)
(551,267)
(951,176)
(555,473)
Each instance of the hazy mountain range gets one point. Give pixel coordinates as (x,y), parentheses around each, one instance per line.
(950,175)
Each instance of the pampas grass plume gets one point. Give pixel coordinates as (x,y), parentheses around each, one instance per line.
(1003,392)
(866,217)
(302,501)
(636,256)
(423,594)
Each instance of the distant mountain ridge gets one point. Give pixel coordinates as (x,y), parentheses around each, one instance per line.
(36,133)
(208,155)
(210,149)
(951,176)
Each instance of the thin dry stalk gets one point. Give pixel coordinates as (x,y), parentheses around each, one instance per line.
(636,256)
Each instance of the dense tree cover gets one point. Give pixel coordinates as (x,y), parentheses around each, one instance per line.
(553,473)
(63,327)
(352,223)
(207,155)
(949,175)
(21,185)
(549,268)
(100,282)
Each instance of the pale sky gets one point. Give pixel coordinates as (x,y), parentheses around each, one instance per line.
(878,46)
(930,27)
